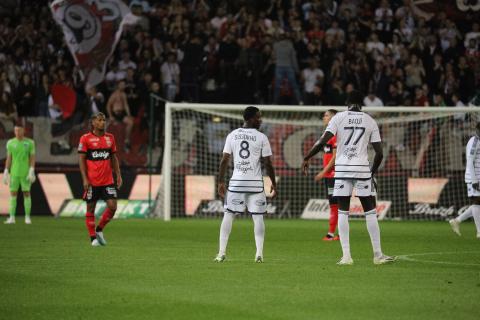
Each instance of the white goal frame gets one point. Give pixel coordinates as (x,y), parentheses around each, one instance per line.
(170,107)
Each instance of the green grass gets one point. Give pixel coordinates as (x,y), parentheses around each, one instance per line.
(156,270)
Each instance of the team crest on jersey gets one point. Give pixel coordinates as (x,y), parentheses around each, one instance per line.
(108,141)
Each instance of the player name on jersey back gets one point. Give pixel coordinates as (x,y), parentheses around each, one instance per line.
(354,131)
(247,146)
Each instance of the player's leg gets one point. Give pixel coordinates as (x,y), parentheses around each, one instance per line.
(476,214)
(332,201)
(455,223)
(90,197)
(12,205)
(90,222)
(364,190)
(342,192)
(27,200)
(107,216)
(233,203)
(257,207)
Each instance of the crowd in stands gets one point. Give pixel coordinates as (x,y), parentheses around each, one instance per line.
(310,52)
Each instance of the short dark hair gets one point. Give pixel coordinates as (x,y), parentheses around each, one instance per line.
(332,111)
(95,115)
(355,98)
(250,112)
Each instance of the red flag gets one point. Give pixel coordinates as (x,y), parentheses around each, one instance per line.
(92,29)
(65,97)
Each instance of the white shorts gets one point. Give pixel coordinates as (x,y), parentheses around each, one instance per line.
(363,188)
(471,192)
(255,203)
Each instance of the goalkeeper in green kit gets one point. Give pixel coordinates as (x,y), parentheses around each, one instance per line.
(19,172)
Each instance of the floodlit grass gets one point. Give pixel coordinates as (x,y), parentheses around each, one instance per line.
(157,270)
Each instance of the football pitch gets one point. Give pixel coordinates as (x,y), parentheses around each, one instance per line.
(157,270)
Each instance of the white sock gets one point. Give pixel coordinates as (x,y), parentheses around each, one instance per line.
(374,231)
(465,215)
(259,230)
(225,230)
(476,217)
(344,232)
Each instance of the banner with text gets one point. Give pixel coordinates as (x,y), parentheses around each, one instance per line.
(76,208)
(319,209)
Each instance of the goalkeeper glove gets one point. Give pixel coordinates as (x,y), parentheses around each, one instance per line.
(31,175)
(6,177)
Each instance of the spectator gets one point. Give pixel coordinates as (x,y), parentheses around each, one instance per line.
(25,97)
(119,111)
(286,66)
(371,100)
(312,78)
(170,77)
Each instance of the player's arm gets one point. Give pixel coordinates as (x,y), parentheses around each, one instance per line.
(470,159)
(221,174)
(31,170)
(267,162)
(327,135)
(116,169)
(328,167)
(82,162)
(8,165)
(377,160)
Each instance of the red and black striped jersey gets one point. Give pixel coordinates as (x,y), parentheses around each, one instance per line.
(99,151)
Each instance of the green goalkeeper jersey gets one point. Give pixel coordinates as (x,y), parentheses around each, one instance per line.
(20,150)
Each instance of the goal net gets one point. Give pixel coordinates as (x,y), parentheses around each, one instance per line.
(421,176)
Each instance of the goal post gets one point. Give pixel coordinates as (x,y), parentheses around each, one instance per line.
(421,176)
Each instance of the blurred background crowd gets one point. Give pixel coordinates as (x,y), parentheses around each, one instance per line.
(308,52)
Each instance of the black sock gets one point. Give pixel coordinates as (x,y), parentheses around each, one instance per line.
(92,238)
(98,229)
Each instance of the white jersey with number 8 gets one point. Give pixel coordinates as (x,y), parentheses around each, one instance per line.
(354,131)
(248,146)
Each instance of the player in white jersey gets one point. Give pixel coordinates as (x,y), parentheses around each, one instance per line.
(472,179)
(249,148)
(354,130)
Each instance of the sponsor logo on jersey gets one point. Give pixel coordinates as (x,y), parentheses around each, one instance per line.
(237,202)
(111,191)
(260,203)
(350,153)
(100,154)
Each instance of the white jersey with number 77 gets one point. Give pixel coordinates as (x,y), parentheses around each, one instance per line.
(248,146)
(354,131)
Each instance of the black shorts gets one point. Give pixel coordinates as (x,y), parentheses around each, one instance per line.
(93,194)
(330,185)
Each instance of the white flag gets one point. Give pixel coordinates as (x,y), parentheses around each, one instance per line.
(92,29)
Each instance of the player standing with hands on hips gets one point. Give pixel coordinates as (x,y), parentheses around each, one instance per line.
(354,130)
(249,147)
(97,152)
(472,179)
(19,172)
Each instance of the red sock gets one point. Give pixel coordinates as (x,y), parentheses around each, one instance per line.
(333,218)
(90,222)
(106,217)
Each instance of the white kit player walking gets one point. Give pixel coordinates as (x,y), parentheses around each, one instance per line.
(354,130)
(472,179)
(249,148)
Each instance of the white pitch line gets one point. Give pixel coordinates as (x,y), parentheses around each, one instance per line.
(407,257)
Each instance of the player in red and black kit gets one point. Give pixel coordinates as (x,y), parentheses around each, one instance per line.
(328,173)
(97,152)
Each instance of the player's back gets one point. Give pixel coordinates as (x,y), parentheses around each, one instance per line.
(247,146)
(473,154)
(354,130)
